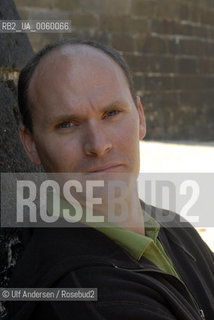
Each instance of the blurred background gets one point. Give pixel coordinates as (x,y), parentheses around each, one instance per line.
(169,45)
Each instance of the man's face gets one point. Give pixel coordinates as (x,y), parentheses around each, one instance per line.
(84,118)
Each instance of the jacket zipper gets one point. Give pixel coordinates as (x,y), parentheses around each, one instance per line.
(200,311)
(202,314)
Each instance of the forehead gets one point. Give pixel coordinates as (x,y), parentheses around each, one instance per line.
(76,59)
(77,72)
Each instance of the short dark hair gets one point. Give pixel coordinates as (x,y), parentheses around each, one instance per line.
(27,73)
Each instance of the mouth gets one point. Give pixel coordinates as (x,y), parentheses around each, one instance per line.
(111,167)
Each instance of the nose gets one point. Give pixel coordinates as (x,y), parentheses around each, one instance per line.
(96,141)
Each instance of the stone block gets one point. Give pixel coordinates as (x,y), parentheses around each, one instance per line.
(171,27)
(195,13)
(139,82)
(137,63)
(184,29)
(200,100)
(206,65)
(184,82)
(151,63)
(123,23)
(159,83)
(207,17)
(207,82)
(161,64)
(45,14)
(191,47)
(168,9)
(194,83)
(82,21)
(173,46)
(110,6)
(102,36)
(151,44)
(210,116)
(67,5)
(210,32)
(184,11)
(209,3)
(144,8)
(114,23)
(187,65)
(161,110)
(201,31)
(200,3)
(208,49)
(123,42)
(186,98)
(39,40)
(49,4)
(202,103)
(25,13)
(161,26)
(139,25)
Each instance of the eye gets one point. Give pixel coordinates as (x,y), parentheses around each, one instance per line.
(66,124)
(111,113)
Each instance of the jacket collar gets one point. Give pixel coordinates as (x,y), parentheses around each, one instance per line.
(169,224)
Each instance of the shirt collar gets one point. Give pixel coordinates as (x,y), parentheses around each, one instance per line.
(133,242)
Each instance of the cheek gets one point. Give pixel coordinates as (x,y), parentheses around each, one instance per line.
(57,155)
(129,133)
(132,139)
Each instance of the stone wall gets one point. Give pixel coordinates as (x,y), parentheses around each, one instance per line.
(169,45)
(15,49)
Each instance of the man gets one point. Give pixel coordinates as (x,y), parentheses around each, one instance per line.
(80,115)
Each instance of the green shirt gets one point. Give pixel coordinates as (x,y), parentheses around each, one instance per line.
(136,244)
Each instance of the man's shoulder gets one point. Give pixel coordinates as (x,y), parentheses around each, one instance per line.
(175,229)
(166,218)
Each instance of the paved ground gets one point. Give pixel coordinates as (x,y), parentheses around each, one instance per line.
(180,157)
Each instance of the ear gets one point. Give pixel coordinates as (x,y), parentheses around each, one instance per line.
(29,145)
(142,121)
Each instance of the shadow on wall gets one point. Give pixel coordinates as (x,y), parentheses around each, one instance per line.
(15,51)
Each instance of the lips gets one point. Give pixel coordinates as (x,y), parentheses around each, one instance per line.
(109,167)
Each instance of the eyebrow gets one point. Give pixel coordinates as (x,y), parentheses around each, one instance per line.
(66,117)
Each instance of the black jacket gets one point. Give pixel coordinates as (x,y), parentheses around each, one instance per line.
(127,289)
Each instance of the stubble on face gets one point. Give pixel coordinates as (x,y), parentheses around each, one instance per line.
(84,118)
(80,83)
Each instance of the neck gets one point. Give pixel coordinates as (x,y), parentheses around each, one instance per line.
(123,211)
